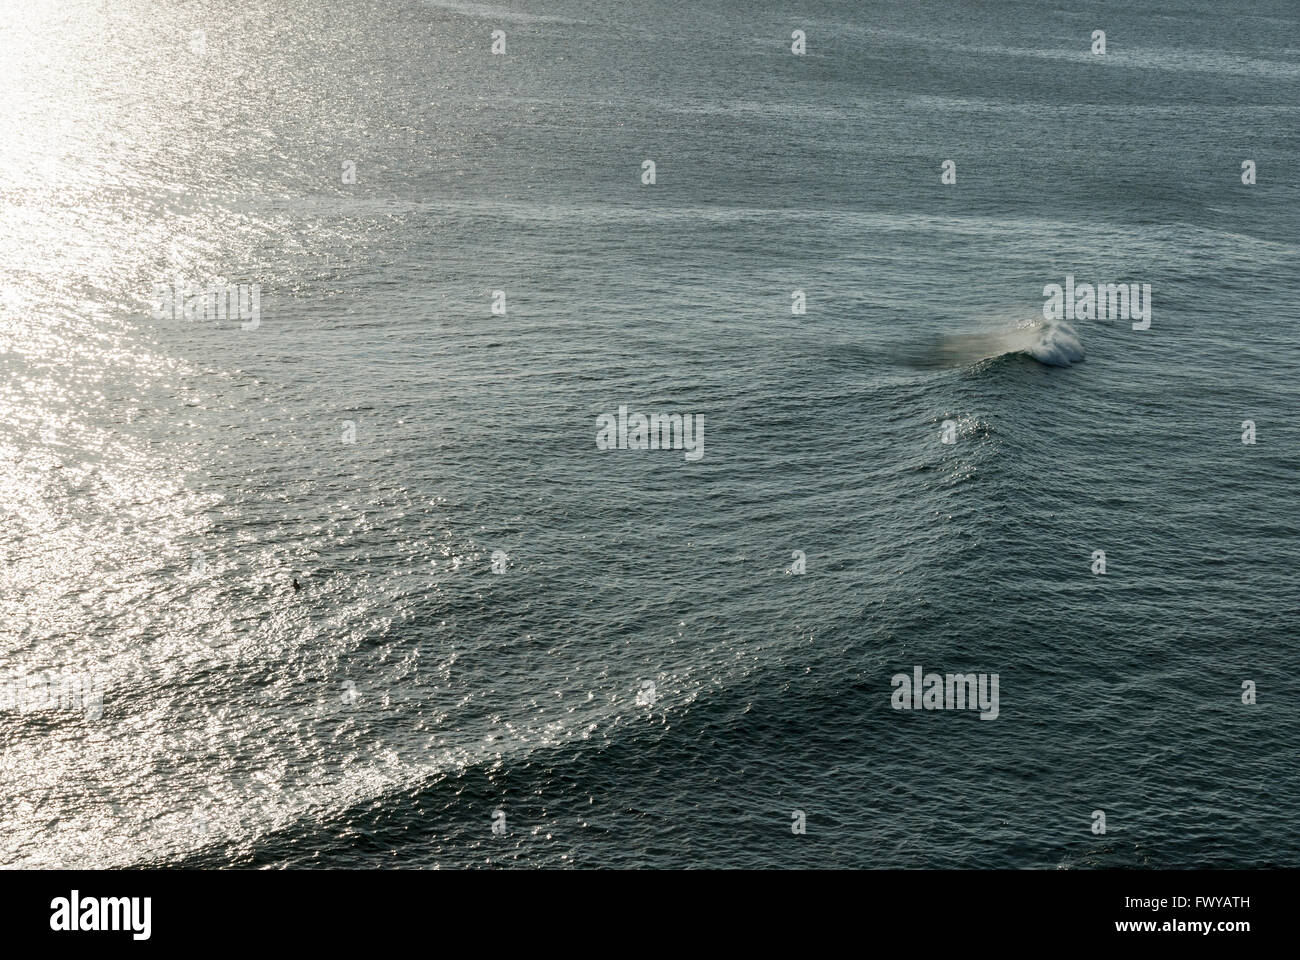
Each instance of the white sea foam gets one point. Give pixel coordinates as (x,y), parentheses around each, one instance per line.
(1055,344)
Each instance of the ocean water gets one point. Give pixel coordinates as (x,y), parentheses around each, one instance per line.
(378,433)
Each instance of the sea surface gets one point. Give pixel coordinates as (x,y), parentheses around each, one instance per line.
(648,683)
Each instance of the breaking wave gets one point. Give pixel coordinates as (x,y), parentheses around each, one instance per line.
(1050,342)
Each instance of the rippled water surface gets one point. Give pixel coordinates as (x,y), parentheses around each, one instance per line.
(379,432)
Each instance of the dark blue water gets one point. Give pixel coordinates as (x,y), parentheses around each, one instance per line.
(382,714)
